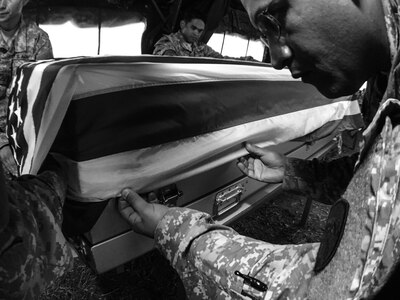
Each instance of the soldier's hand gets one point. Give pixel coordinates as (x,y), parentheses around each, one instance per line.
(249,58)
(262,165)
(8,160)
(141,215)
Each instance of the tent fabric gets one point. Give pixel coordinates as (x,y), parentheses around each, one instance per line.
(161,17)
(148,121)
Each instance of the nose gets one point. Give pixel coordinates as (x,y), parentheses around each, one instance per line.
(281,54)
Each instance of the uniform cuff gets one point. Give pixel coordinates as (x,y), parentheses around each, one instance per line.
(293,179)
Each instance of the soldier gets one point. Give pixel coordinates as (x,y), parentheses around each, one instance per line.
(336,46)
(20,41)
(185,42)
(33,250)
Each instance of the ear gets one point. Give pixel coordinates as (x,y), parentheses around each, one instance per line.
(182,24)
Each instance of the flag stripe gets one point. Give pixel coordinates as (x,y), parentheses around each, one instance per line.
(61,94)
(145,117)
(104,78)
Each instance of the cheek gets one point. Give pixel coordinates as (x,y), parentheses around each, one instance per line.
(311,34)
(16,7)
(184,31)
(314,47)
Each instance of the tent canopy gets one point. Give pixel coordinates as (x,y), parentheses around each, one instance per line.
(161,16)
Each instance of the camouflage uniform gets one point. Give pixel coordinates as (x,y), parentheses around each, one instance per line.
(176,43)
(33,250)
(206,254)
(30,43)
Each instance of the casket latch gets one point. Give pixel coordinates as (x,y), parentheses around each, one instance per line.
(169,195)
(228,198)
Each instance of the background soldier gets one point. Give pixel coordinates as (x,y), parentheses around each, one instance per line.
(185,42)
(20,41)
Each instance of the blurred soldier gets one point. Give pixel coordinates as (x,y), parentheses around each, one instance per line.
(185,42)
(33,250)
(20,42)
(336,46)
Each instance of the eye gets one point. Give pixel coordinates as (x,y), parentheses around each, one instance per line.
(269,27)
(278,9)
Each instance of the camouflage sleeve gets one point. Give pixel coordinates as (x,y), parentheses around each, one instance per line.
(210,52)
(206,256)
(163,45)
(44,49)
(33,250)
(3,122)
(322,181)
(3,140)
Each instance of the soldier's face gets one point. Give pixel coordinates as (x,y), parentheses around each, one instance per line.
(10,10)
(192,30)
(325,43)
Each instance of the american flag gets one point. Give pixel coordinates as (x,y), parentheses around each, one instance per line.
(147,120)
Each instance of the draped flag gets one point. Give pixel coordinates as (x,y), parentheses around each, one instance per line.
(147,121)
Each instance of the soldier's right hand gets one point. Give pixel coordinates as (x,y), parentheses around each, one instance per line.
(140,214)
(262,164)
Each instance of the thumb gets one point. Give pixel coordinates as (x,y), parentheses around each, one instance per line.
(253,149)
(133,198)
(268,157)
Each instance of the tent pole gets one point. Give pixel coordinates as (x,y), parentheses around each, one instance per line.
(247,48)
(223,42)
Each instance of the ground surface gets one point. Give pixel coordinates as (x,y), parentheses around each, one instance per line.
(151,277)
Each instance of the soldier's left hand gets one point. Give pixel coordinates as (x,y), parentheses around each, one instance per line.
(263,164)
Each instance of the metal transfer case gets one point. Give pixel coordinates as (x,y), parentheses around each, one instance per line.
(223,192)
(170,126)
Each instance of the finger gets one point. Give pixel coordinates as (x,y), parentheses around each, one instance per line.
(242,167)
(253,149)
(244,161)
(138,203)
(273,159)
(123,204)
(128,213)
(250,167)
(124,208)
